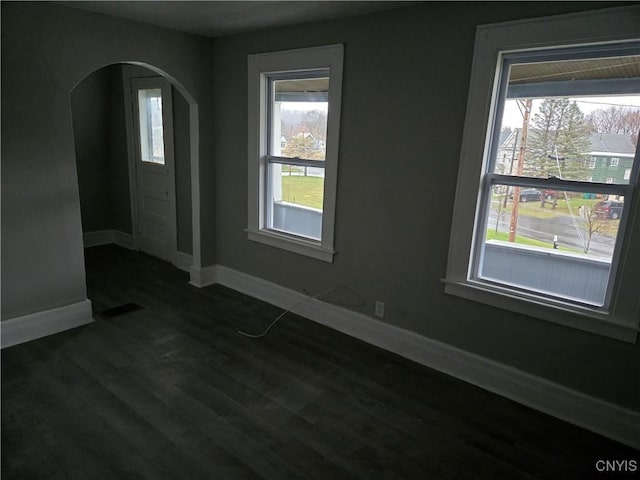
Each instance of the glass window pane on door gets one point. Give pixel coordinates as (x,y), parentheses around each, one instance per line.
(150,122)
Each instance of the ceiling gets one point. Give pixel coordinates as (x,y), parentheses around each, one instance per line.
(588,69)
(219,18)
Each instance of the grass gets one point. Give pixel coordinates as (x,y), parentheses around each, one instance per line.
(307,191)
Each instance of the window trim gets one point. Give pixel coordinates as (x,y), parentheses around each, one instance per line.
(259,67)
(595,27)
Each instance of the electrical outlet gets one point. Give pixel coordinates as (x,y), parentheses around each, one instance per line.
(379,309)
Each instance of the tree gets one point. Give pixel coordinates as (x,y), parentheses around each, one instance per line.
(316,123)
(615,119)
(299,121)
(559,141)
(500,207)
(303,146)
(590,223)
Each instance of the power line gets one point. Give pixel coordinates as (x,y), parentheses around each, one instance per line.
(606,103)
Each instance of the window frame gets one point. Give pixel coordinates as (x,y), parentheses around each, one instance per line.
(260,67)
(273,154)
(620,319)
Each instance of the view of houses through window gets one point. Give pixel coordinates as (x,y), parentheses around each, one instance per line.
(303,134)
(298,127)
(565,142)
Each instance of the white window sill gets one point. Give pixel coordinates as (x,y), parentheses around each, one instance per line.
(293,244)
(570,315)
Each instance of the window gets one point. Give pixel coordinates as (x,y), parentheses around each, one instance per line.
(151,134)
(614,162)
(545,239)
(627,174)
(294,115)
(592,163)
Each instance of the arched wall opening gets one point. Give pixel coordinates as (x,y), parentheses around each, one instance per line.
(104,152)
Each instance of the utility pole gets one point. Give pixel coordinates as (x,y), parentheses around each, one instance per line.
(516,190)
(513,159)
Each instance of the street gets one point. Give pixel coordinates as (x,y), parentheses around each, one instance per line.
(569,233)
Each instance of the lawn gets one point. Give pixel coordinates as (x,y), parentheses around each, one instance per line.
(504,236)
(307,191)
(563,207)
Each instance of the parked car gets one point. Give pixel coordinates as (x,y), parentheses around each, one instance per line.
(528,195)
(609,209)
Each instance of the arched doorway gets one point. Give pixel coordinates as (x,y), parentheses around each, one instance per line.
(111,173)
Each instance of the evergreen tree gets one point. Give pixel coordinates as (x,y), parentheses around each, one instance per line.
(558,142)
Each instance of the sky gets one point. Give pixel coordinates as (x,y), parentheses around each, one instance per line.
(305,106)
(513,118)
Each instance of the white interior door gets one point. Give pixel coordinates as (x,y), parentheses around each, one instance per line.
(154,167)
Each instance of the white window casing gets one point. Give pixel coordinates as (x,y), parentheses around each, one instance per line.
(619,318)
(260,67)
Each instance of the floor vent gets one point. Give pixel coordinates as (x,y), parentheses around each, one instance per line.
(120,310)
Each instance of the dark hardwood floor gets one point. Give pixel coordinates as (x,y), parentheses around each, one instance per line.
(171,391)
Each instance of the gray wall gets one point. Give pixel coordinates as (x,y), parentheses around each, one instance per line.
(99,134)
(120,197)
(91,114)
(406,75)
(46,50)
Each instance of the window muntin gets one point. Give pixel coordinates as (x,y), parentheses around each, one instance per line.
(150,125)
(551,156)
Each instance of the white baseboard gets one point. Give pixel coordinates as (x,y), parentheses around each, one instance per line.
(123,239)
(47,322)
(599,416)
(202,277)
(105,237)
(183,261)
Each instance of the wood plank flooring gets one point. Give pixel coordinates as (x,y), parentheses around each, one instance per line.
(173,392)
